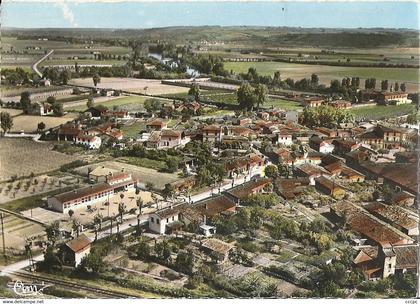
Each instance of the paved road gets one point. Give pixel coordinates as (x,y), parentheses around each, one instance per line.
(35,65)
(35,137)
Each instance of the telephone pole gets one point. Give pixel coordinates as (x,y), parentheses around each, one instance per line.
(2,234)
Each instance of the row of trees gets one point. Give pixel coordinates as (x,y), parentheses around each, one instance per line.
(325,116)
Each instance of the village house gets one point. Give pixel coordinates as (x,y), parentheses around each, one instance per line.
(89,141)
(289,188)
(343,146)
(216,249)
(211,133)
(338,169)
(311,172)
(155,125)
(41,109)
(393,98)
(87,196)
(75,250)
(242,121)
(164,139)
(340,104)
(382,261)
(312,102)
(329,187)
(165,221)
(321,145)
(68,131)
(243,165)
(241,192)
(284,138)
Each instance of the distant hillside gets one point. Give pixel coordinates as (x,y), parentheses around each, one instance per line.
(257,36)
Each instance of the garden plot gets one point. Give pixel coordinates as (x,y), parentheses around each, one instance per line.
(33,186)
(147,86)
(17,230)
(21,157)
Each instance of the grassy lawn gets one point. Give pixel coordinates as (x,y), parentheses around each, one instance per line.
(31,202)
(298,71)
(381,112)
(143,162)
(133,129)
(285,256)
(283,104)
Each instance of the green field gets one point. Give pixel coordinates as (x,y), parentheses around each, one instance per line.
(326,73)
(133,129)
(381,112)
(283,104)
(118,102)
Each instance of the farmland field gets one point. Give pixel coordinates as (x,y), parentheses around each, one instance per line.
(150,86)
(22,156)
(29,123)
(327,73)
(381,112)
(121,103)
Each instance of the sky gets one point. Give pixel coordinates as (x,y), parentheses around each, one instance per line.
(151,14)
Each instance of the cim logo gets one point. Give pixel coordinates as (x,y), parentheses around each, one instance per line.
(28,290)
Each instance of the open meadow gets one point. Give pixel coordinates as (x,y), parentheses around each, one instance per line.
(148,86)
(21,157)
(29,123)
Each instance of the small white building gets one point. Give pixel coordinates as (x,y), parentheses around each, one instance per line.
(161,220)
(77,249)
(284,138)
(89,141)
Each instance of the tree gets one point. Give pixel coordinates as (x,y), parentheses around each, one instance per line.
(90,103)
(246,96)
(140,204)
(184,262)
(71,212)
(96,79)
(41,126)
(195,91)
(396,87)
(142,249)
(163,251)
(172,164)
(53,232)
(271,171)
(65,76)
(152,105)
(403,87)
(92,263)
(97,220)
(168,191)
(261,92)
(51,260)
(25,102)
(6,121)
(57,108)
(384,85)
(122,208)
(51,100)
(314,80)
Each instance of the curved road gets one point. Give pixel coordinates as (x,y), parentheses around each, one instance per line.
(35,65)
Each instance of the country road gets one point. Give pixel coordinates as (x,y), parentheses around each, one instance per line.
(35,65)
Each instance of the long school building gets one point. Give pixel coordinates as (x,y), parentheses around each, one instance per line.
(88,196)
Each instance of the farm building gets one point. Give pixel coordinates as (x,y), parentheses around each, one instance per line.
(165,221)
(76,249)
